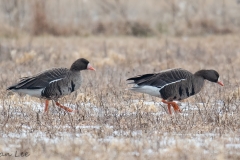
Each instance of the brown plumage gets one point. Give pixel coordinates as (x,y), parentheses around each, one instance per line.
(174,84)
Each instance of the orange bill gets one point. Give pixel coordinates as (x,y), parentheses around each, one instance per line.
(90,67)
(220,83)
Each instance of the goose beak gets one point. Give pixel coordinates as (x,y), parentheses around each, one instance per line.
(90,67)
(220,83)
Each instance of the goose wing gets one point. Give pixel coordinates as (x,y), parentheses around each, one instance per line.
(161,79)
(41,80)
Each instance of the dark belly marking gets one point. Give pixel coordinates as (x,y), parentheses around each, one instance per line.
(73,86)
(180,91)
(193,92)
(59,89)
(45,93)
(187,92)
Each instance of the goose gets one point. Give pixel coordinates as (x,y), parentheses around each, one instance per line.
(54,83)
(173,84)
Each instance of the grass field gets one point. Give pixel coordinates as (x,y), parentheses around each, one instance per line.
(121,39)
(114,123)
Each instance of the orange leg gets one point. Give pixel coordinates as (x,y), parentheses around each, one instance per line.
(174,105)
(63,107)
(46,106)
(169,108)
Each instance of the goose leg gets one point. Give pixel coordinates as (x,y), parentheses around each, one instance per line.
(46,106)
(174,105)
(63,107)
(169,108)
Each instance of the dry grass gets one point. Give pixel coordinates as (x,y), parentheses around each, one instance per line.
(115,17)
(114,123)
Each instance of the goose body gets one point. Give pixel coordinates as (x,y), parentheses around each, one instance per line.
(174,84)
(53,83)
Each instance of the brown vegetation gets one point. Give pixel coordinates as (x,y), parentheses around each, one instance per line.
(114,17)
(114,123)
(121,39)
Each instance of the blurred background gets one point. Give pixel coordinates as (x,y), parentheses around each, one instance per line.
(119,17)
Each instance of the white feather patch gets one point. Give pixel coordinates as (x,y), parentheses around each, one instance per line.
(172,83)
(153,91)
(31,92)
(55,80)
